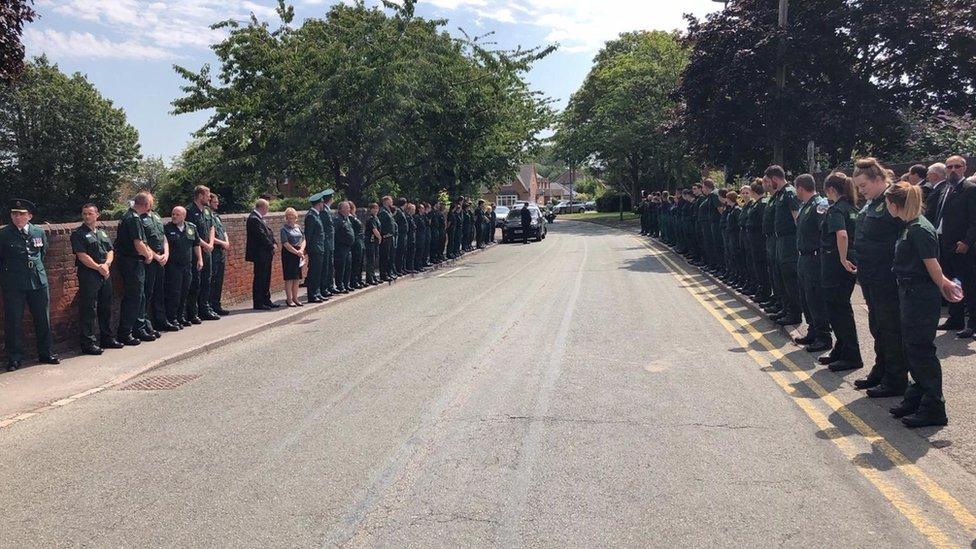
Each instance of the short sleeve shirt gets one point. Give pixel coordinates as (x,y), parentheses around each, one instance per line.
(181,243)
(96,243)
(786,203)
(917,243)
(153,227)
(292,235)
(131,229)
(874,243)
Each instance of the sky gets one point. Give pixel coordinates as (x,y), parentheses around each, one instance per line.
(127,48)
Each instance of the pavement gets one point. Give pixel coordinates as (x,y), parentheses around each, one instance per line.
(588,390)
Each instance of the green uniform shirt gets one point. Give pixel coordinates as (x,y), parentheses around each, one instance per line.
(328,227)
(22,258)
(808,224)
(203,219)
(786,203)
(357,229)
(219,231)
(874,243)
(344,235)
(387,225)
(131,229)
(314,233)
(181,243)
(769,217)
(841,216)
(917,243)
(711,207)
(153,227)
(372,222)
(96,243)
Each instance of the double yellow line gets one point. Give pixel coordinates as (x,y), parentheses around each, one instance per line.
(742,328)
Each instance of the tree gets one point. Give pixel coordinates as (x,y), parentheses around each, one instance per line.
(13,15)
(853,67)
(61,143)
(366,101)
(621,120)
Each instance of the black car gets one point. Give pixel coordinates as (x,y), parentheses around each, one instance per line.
(513,224)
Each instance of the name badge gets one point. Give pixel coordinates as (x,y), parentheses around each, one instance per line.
(189,232)
(38,242)
(90,237)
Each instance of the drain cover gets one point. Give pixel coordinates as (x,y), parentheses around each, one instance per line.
(158,383)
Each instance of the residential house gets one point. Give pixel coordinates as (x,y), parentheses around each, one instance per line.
(523,188)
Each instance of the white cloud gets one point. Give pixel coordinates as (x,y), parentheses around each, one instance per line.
(140,29)
(86,45)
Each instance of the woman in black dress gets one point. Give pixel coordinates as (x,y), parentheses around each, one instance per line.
(293,242)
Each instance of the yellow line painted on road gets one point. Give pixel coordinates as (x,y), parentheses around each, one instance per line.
(449,272)
(958,511)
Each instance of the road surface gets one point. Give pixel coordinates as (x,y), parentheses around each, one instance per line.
(589,390)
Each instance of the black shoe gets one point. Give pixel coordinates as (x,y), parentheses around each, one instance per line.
(827,360)
(129,340)
(805,340)
(92,350)
(145,336)
(262,307)
(221,311)
(194,320)
(950,325)
(865,383)
(274,305)
(13,365)
(170,327)
(314,299)
(185,323)
(156,334)
(883,392)
(209,315)
(788,321)
(844,365)
(818,346)
(904,409)
(965,333)
(924,420)
(111,344)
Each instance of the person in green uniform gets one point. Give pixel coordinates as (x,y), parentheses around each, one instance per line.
(775,304)
(344,239)
(921,287)
(400,217)
(874,247)
(808,265)
(199,213)
(23,279)
(642,211)
(388,230)
(315,238)
(410,247)
(837,271)
(358,249)
(185,256)
(787,210)
(154,316)
(373,239)
(94,255)
(219,259)
(423,238)
(328,284)
(480,230)
(134,255)
(467,231)
(747,200)
(757,242)
(709,226)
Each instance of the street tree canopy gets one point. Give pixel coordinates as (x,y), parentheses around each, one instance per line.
(13,15)
(620,122)
(368,100)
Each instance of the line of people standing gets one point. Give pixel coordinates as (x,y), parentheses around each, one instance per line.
(798,255)
(341,252)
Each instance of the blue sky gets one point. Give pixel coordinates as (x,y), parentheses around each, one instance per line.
(127,47)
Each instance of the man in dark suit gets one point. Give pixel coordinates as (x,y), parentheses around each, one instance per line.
(955,223)
(935,185)
(526,217)
(260,250)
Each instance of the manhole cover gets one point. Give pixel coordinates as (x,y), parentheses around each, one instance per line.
(158,383)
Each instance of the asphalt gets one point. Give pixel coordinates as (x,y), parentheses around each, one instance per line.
(584,391)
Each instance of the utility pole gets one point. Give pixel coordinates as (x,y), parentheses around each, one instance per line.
(784,11)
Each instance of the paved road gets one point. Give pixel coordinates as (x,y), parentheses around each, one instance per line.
(584,391)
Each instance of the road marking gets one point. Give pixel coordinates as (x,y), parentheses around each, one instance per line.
(938,494)
(449,272)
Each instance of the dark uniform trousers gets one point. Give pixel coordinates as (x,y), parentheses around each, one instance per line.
(343,257)
(328,282)
(840,315)
(962,267)
(773,267)
(371,253)
(921,305)
(133,272)
(313,278)
(358,251)
(219,258)
(812,295)
(386,256)
(261,286)
(199,299)
(411,251)
(419,253)
(401,252)
(884,315)
(178,280)
(13,315)
(789,280)
(94,306)
(759,267)
(155,293)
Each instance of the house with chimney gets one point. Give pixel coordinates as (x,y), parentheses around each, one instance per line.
(524,187)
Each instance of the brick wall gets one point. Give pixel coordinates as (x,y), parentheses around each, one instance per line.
(63,281)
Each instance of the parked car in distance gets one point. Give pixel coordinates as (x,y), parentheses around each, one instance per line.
(501,212)
(569,207)
(513,224)
(590,206)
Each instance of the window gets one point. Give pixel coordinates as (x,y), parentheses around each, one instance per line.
(506,200)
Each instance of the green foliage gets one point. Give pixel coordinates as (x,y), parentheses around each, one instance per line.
(282,204)
(852,69)
(620,121)
(203,163)
(13,15)
(61,143)
(940,136)
(611,202)
(366,101)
